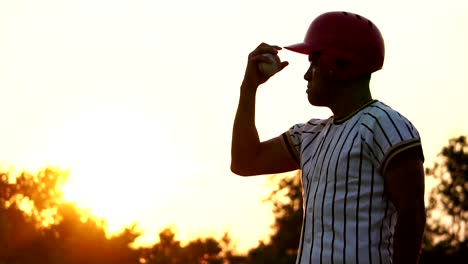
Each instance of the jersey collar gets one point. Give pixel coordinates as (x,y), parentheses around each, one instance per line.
(344,119)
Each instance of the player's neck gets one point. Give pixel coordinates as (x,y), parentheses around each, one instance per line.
(351,100)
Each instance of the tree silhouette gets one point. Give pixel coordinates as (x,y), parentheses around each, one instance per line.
(229,251)
(26,237)
(19,231)
(287,207)
(170,251)
(36,226)
(167,251)
(85,241)
(447,215)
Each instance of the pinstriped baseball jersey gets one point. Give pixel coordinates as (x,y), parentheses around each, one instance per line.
(347,216)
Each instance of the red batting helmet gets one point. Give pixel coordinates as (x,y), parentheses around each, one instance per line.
(344,36)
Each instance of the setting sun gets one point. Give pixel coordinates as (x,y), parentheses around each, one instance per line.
(119,165)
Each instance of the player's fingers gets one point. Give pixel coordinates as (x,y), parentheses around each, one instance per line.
(265,48)
(261,58)
(269,48)
(283,65)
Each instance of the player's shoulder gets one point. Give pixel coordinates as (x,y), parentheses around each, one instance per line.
(379,111)
(380,108)
(311,126)
(380,117)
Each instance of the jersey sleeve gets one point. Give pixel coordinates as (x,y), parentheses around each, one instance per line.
(387,133)
(300,136)
(292,140)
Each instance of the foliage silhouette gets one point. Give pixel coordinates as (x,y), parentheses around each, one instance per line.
(36,226)
(447,211)
(48,230)
(25,237)
(170,251)
(287,208)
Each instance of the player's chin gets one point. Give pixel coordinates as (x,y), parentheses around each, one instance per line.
(315,100)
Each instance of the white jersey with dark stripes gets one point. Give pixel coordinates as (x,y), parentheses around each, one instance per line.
(347,216)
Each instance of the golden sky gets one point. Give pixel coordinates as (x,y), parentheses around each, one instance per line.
(137,97)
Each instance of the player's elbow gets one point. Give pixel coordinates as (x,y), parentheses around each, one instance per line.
(240,170)
(236,170)
(243,165)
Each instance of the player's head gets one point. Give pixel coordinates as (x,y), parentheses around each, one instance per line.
(345,44)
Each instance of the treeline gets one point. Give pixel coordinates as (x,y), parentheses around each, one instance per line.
(37,227)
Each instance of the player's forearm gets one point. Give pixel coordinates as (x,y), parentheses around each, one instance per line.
(409,232)
(245,139)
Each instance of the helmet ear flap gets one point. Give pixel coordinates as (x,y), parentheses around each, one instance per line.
(336,64)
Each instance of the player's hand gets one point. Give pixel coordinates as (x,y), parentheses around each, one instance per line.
(253,76)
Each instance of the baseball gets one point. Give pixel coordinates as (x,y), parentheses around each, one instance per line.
(270,68)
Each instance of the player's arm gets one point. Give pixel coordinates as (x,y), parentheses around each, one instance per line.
(404,185)
(249,156)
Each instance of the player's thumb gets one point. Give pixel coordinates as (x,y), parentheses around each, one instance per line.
(283,65)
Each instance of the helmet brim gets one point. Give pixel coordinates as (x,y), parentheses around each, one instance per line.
(302,48)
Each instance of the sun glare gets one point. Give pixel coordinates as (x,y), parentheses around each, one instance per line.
(118,166)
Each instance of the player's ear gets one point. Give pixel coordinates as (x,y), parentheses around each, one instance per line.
(336,64)
(342,63)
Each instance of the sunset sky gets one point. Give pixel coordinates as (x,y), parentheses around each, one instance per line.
(137,98)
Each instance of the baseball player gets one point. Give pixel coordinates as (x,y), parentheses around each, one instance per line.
(362,168)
